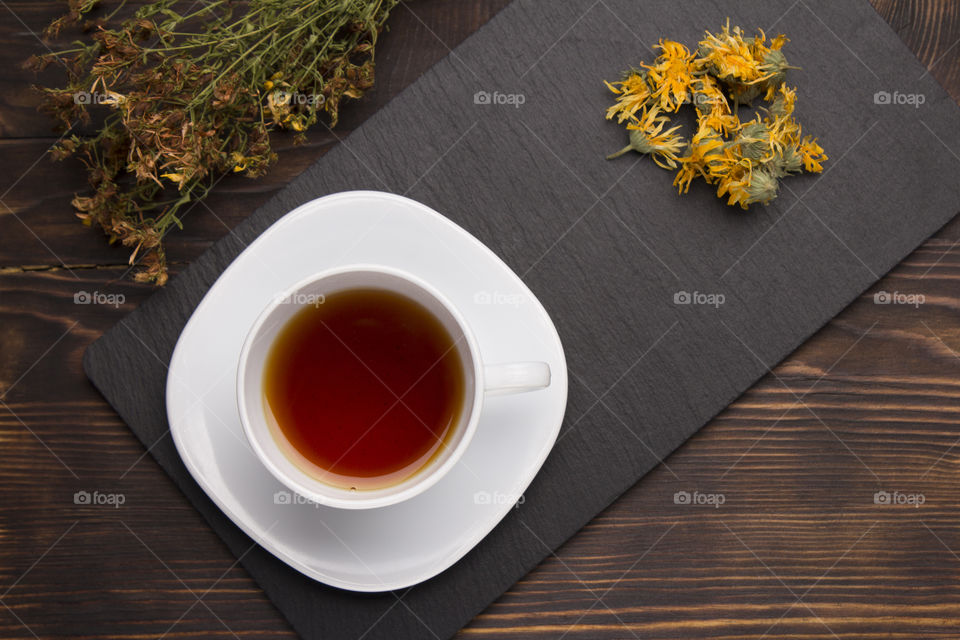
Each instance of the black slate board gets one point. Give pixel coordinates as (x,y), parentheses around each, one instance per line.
(606,246)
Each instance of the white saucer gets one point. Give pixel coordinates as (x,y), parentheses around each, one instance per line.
(391,547)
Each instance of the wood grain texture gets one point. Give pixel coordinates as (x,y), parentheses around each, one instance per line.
(872,403)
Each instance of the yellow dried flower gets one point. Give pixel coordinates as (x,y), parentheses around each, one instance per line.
(759,140)
(633,92)
(773,64)
(748,186)
(746,65)
(729,57)
(647,136)
(706,156)
(671,75)
(788,161)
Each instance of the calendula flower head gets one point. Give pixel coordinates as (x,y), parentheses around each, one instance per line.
(632,94)
(788,161)
(707,156)
(758,140)
(775,68)
(647,136)
(671,75)
(773,64)
(729,57)
(747,66)
(748,186)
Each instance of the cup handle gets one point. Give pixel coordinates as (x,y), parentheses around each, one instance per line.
(515,377)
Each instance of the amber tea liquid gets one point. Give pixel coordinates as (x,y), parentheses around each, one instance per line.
(366,387)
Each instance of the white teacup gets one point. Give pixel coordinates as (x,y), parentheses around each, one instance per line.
(480,380)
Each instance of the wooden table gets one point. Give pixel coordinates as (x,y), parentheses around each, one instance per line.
(799,548)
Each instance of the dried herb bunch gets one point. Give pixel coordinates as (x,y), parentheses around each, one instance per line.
(193,93)
(744,160)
